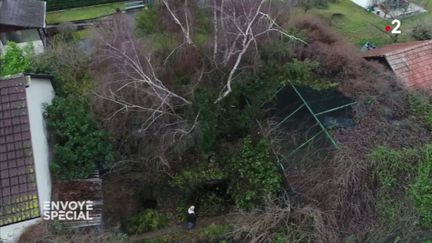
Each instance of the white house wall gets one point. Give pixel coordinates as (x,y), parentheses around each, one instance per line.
(40,92)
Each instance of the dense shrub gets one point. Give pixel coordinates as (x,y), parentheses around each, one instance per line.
(146,21)
(253,174)
(422,32)
(233,117)
(303,73)
(394,169)
(191,178)
(397,170)
(421,106)
(308,4)
(389,209)
(338,60)
(216,232)
(68,63)
(79,143)
(15,60)
(228,120)
(421,190)
(212,203)
(193,182)
(146,221)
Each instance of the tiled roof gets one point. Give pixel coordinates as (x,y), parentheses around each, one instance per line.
(23,13)
(411,62)
(18,190)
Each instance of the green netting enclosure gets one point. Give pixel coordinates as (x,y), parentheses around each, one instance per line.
(308,116)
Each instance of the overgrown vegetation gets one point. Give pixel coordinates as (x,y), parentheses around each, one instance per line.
(80,145)
(253,174)
(146,221)
(184,95)
(394,170)
(422,31)
(69,64)
(15,60)
(216,232)
(421,190)
(421,106)
(146,21)
(308,4)
(403,176)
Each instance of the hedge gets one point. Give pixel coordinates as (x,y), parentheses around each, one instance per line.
(64,4)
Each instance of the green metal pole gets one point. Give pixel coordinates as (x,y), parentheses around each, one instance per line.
(287,117)
(302,145)
(315,117)
(335,109)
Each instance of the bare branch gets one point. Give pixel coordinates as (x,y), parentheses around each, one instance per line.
(185,27)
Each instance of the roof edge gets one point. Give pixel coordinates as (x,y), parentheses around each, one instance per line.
(408,48)
(395,48)
(32,75)
(12,76)
(39,75)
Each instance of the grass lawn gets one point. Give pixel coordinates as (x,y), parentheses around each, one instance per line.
(359,26)
(82,13)
(81,34)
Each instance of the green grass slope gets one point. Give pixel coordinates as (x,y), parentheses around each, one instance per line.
(359,26)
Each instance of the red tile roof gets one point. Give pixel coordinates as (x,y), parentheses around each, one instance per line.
(18,190)
(411,62)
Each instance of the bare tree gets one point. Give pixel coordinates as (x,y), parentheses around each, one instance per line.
(135,70)
(132,97)
(238,27)
(131,90)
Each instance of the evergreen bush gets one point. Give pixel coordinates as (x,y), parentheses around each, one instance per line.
(15,60)
(79,144)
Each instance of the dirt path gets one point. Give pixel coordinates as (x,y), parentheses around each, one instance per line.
(181,228)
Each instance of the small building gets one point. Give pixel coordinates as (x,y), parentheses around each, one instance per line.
(23,22)
(25,181)
(391,9)
(364,3)
(411,62)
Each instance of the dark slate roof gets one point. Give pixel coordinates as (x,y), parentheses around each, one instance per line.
(23,13)
(18,190)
